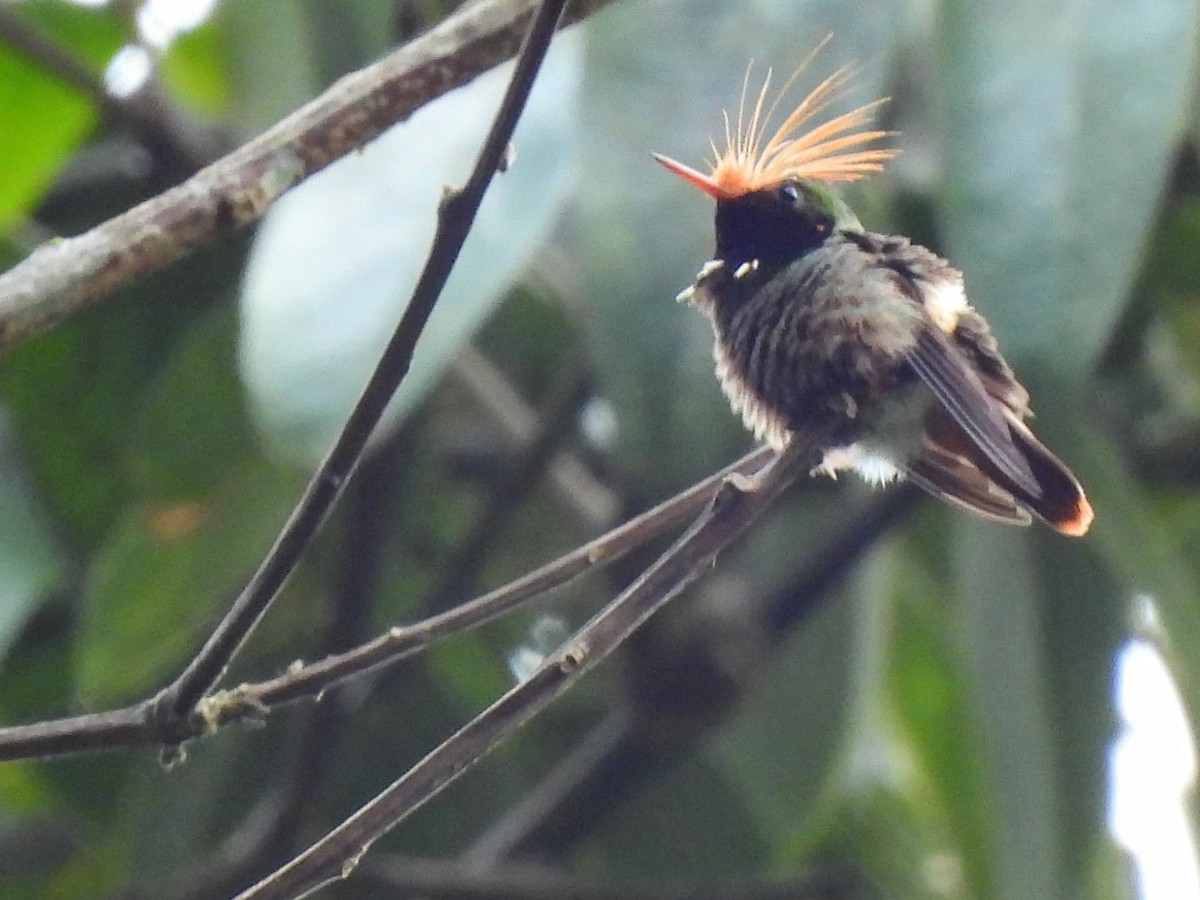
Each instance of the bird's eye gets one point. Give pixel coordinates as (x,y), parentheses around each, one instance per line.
(789,193)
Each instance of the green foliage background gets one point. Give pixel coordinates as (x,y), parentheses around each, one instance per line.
(939,724)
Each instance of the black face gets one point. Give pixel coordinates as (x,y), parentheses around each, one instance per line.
(776,226)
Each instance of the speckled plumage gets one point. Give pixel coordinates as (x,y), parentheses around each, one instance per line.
(867,347)
(791,347)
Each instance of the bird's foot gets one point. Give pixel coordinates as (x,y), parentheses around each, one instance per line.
(743,484)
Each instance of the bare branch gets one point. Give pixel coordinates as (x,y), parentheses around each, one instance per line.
(309,681)
(133,726)
(125,727)
(64,276)
(597,504)
(735,505)
(622,753)
(458,575)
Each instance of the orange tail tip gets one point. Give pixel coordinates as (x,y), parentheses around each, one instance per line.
(1079,523)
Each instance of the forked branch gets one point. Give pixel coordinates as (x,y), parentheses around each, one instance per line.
(737,503)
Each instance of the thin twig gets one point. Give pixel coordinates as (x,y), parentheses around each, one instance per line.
(132,726)
(399,642)
(458,575)
(621,754)
(456,215)
(735,505)
(596,503)
(608,764)
(62,277)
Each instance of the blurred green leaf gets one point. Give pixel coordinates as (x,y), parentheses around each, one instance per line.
(334,257)
(195,69)
(31,562)
(1033,633)
(1113,877)
(206,508)
(783,751)
(1148,552)
(1059,124)
(1172,276)
(895,842)
(1007,680)
(271,60)
(22,791)
(165,575)
(43,120)
(1084,618)
(349,32)
(218,787)
(933,710)
(191,426)
(901,800)
(1173,262)
(670,828)
(72,393)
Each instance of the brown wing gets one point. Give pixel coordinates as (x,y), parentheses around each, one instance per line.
(956,385)
(955,479)
(1061,502)
(952,468)
(954,372)
(978,343)
(978,451)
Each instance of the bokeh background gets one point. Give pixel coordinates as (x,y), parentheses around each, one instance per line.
(871,694)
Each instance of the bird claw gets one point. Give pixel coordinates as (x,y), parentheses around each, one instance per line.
(743,484)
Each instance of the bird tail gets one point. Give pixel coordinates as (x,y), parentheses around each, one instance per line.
(1063,503)
(953,469)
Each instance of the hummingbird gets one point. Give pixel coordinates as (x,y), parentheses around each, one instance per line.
(861,344)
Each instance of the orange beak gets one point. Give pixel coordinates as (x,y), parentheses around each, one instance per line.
(694,178)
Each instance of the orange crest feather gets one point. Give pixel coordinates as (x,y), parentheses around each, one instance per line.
(832,151)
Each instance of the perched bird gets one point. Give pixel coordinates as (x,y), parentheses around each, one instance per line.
(862,345)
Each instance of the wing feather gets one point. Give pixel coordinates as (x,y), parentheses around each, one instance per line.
(958,388)
(953,478)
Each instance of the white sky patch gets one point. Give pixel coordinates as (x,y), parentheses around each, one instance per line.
(161,21)
(546,633)
(128,70)
(1152,772)
(598,422)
